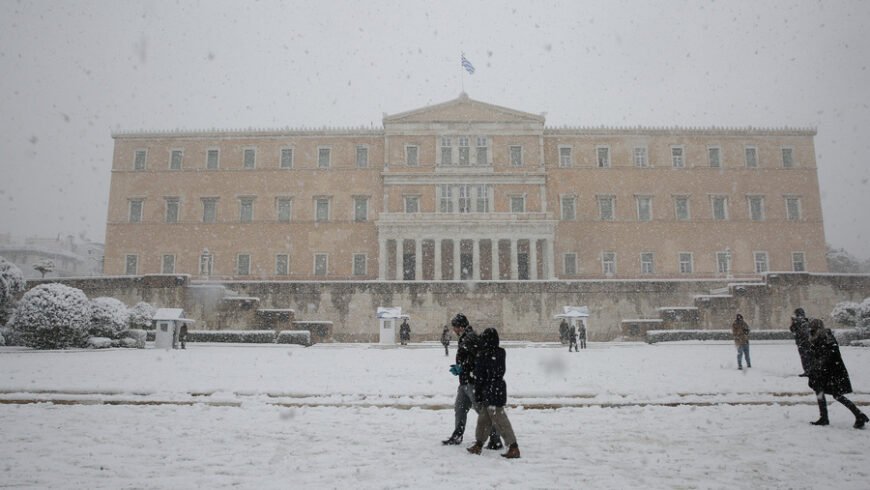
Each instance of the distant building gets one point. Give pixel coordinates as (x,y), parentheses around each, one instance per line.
(72,256)
(465,190)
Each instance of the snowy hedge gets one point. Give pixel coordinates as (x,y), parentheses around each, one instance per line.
(654,336)
(301,337)
(52,316)
(852,314)
(109,317)
(232,336)
(141,316)
(11,285)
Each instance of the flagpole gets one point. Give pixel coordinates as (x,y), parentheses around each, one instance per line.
(462,77)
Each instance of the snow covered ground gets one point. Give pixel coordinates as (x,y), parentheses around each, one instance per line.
(363,416)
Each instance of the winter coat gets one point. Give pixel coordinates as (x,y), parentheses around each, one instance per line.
(581,331)
(445,337)
(563,331)
(827,372)
(405,330)
(800,327)
(490,388)
(572,334)
(466,352)
(740,331)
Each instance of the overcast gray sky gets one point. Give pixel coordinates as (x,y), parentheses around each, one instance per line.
(73,72)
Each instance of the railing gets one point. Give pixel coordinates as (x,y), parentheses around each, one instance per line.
(483,217)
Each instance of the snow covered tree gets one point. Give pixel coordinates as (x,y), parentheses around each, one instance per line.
(44,266)
(109,317)
(845,313)
(11,285)
(141,315)
(52,316)
(841,261)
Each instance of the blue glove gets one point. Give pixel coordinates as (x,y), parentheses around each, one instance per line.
(455,369)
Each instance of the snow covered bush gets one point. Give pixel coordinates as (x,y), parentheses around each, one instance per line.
(141,316)
(109,317)
(845,313)
(52,316)
(301,337)
(11,285)
(99,342)
(232,336)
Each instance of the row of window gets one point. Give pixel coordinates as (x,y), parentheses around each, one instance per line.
(243,264)
(685,260)
(448,155)
(718,203)
(283,205)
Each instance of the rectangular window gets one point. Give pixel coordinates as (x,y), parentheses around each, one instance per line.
(677,157)
(608,263)
(606,208)
(483,193)
(797,262)
(172,209)
(206,264)
(792,208)
(250,158)
(286,157)
(136,210)
(565,159)
(482,151)
(787,158)
(640,159)
(243,265)
(285,209)
(131,265)
(603,154)
(464,151)
(647,263)
(282,265)
(412,204)
(723,262)
(464,198)
(751,157)
(570,264)
(320,264)
(411,157)
(756,208)
(175,159)
(360,209)
(446,152)
(714,157)
(644,208)
(686,263)
(445,198)
(359,264)
(516,156)
(324,156)
(212,159)
(246,209)
(209,210)
(518,204)
(168,265)
(139,160)
(681,208)
(760,262)
(568,208)
(720,207)
(362,156)
(321,210)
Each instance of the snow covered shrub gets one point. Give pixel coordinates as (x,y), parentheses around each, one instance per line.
(134,338)
(141,316)
(52,316)
(99,342)
(232,336)
(846,313)
(11,285)
(109,317)
(301,337)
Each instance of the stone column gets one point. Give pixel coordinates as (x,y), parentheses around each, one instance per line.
(548,260)
(437,275)
(457,269)
(475,260)
(400,264)
(515,266)
(382,259)
(533,259)
(418,258)
(493,258)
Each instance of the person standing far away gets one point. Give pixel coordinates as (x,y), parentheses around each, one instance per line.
(740,331)
(801,329)
(581,333)
(405,332)
(466,353)
(827,374)
(563,331)
(445,340)
(491,391)
(572,338)
(182,335)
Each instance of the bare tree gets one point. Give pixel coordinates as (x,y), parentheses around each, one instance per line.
(44,266)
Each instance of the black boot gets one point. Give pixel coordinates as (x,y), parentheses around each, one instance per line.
(860,421)
(453,440)
(823,414)
(494,443)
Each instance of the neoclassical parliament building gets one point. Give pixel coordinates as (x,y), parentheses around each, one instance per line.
(465,190)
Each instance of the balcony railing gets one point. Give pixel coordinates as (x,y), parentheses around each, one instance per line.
(442,217)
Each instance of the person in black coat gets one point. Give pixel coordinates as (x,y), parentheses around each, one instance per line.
(466,353)
(445,340)
(405,332)
(801,330)
(572,338)
(827,373)
(491,392)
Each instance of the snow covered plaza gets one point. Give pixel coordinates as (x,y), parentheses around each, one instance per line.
(617,415)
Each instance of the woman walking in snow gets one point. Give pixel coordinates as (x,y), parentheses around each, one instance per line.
(827,373)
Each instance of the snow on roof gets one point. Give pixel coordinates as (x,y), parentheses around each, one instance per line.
(171,314)
(388,312)
(573,312)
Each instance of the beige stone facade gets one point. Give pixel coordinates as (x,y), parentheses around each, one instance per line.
(465,190)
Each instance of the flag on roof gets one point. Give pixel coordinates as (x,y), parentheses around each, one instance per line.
(467,65)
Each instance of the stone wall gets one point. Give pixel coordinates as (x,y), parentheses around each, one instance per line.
(520,309)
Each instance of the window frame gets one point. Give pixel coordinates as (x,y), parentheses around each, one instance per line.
(687,199)
(746,151)
(795,261)
(570,209)
(143,165)
(172,153)
(279,200)
(797,215)
(289,150)
(749,204)
(717,150)
(206,201)
(356,200)
(678,161)
(611,199)
(607,162)
(642,162)
(521,198)
(608,263)
(713,200)
(168,201)
(252,151)
(127,262)
(286,270)
(563,161)
(569,258)
(647,267)
(791,162)
(516,151)
(365,265)
(362,150)
(317,257)
(239,271)
(317,201)
(320,160)
(217,158)
(163,268)
(639,199)
(406,199)
(246,205)
(763,264)
(137,204)
(416,159)
(686,267)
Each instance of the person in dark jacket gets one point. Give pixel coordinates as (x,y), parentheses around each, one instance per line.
(740,331)
(405,332)
(563,331)
(581,333)
(182,335)
(445,340)
(572,338)
(827,373)
(491,392)
(466,353)
(800,327)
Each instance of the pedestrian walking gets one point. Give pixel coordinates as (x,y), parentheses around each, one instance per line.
(828,374)
(182,335)
(405,332)
(581,333)
(572,338)
(563,332)
(801,329)
(466,353)
(445,340)
(491,392)
(740,331)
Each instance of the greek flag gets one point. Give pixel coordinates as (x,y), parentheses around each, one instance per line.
(467,65)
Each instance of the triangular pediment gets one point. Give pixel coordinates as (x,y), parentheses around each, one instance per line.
(465,110)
